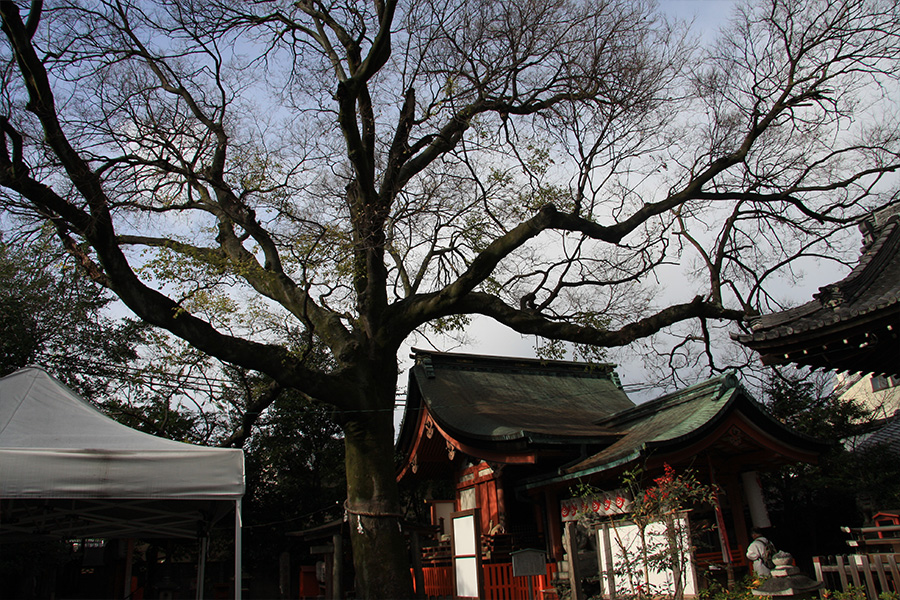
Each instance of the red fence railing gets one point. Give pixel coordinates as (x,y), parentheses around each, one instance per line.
(499,583)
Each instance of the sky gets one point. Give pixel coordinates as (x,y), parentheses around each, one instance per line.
(487,337)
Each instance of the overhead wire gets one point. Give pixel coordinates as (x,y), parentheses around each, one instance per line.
(186,382)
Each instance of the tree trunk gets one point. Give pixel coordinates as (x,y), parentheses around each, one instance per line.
(380,554)
(673,538)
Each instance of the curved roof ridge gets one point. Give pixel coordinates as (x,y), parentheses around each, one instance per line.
(873,260)
(719,385)
(497,399)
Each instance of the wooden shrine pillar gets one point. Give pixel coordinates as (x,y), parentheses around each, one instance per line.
(554,528)
(720,526)
(733,489)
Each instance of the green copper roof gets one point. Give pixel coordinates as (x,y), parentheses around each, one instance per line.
(668,419)
(491,402)
(504,399)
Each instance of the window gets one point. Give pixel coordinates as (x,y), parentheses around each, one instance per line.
(880,382)
(467,499)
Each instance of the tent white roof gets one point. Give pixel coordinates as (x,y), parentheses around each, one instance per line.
(96,477)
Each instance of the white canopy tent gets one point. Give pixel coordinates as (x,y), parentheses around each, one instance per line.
(67,470)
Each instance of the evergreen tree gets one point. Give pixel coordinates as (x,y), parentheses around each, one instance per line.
(810,503)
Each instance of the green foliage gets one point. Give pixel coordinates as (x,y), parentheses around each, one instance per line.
(810,502)
(547,349)
(299,142)
(451,324)
(154,414)
(741,590)
(477,232)
(856,592)
(54,316)
(590,354)
(669,493)
(796,403)
(656,502)
(169,266)
(295,462)
(550,349)
(535,199)
(295,476)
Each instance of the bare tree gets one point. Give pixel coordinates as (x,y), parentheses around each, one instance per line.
(366,170)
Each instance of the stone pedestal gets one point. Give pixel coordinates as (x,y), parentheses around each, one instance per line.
(787,580)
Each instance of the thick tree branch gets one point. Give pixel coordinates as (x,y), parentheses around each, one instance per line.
(527,322)
(97,228)
(251,414)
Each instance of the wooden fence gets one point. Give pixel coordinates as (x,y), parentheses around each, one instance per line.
(498,580)
(437,581)
(875,573)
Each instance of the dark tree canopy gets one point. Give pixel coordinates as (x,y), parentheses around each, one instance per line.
(259,178)
(295,478)
(52,314)
(850,482)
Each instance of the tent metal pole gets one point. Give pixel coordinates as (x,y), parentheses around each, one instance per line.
(129,565)
(237,549)
(201,566)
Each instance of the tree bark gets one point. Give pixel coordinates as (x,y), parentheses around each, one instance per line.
(673,537)
(380,554)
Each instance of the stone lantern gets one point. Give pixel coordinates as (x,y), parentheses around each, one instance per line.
(787,580)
